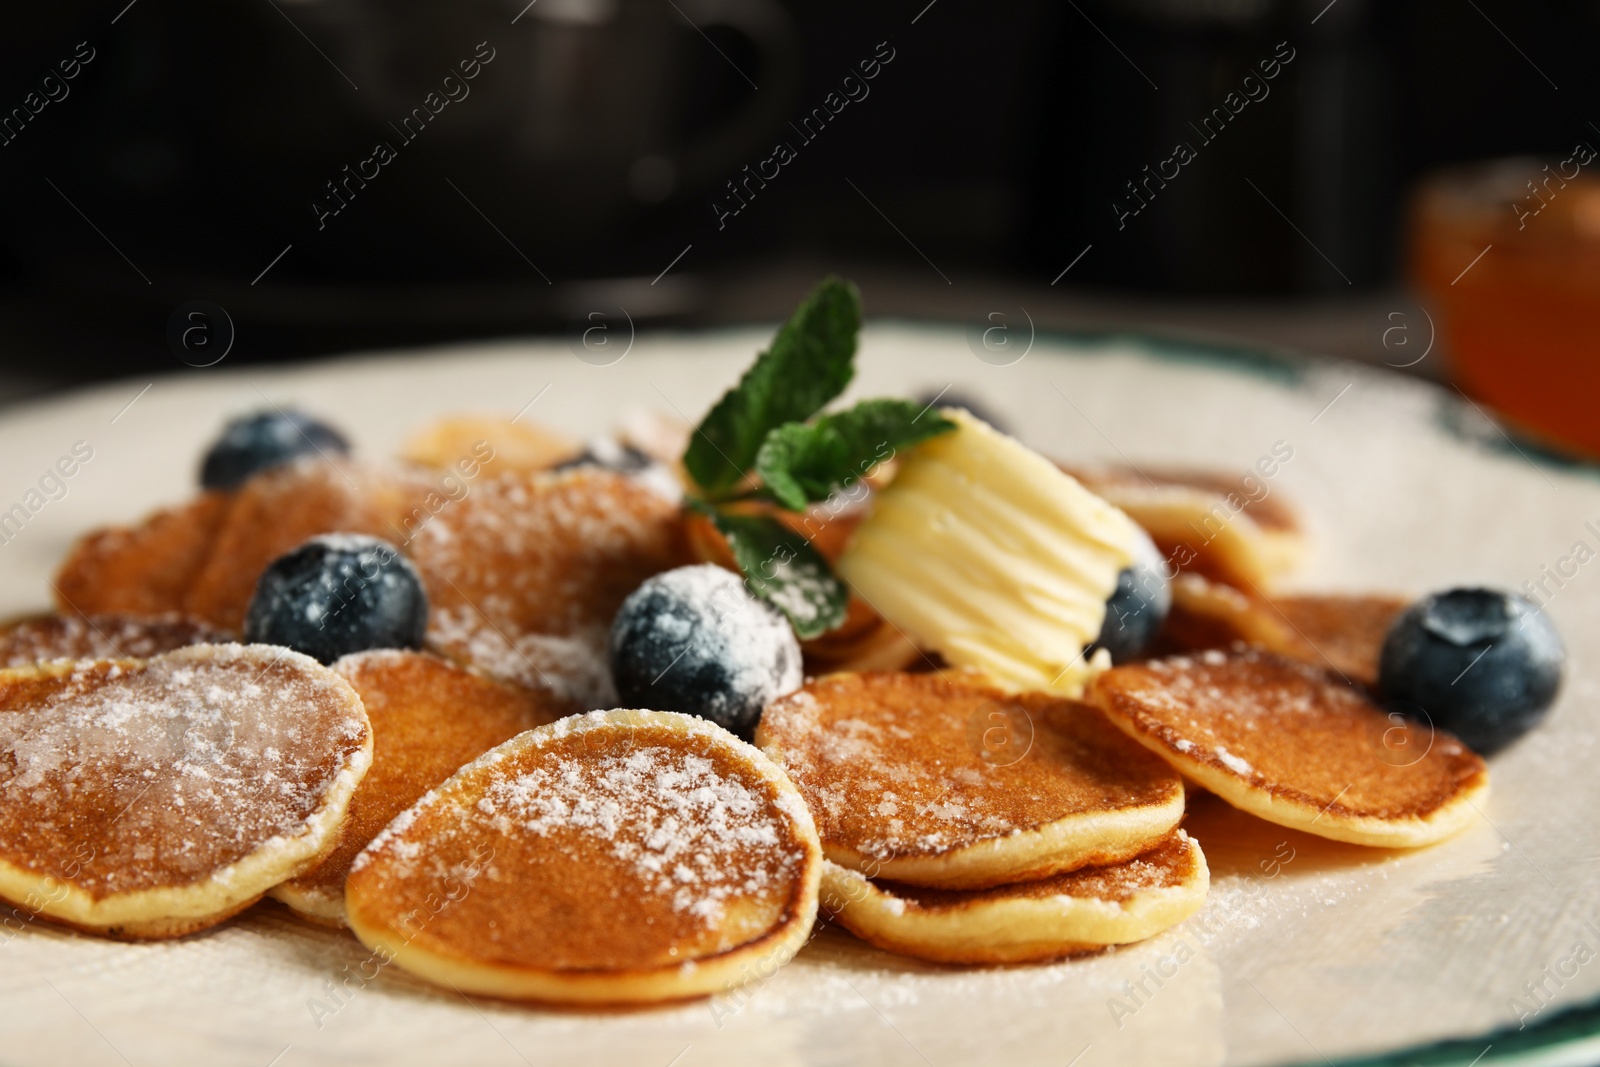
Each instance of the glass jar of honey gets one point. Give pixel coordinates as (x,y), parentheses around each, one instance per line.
(1508,254)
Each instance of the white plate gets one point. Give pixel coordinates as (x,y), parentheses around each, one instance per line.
(1338,952)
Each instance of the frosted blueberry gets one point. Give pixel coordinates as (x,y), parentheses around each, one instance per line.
(695,640)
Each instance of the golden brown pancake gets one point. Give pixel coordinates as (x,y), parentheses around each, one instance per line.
(1062,915)
(621,856)
(1218,525)
(525,574)
(145,569)
(1208,614)
(940,780)
(428,718)
(1344,633)
(152,798)
(1339,631)
(280,509)
(203,559)
(41,638)
(1297,746)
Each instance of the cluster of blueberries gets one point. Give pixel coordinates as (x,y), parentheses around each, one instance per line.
(1485,665)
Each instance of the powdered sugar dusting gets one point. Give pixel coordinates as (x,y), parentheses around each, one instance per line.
(164,772)
(686,826)
(571,668)
(108,636)
(669,815)
(895,765)
(525,574)
(1234,763)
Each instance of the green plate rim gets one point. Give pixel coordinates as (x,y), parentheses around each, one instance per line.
(1505,1046)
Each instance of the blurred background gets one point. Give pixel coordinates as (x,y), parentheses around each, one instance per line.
(1407,183)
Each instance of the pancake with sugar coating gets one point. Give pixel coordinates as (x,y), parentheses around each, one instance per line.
(1062,915)
(613,857)
(525,574)
(1297,746)
(41,638)
(1343,632)
(944,781)
(146,569)
(152,798)
(429,716)
(282,508)
(203,559)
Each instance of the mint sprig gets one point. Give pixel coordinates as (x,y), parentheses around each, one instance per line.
(810,362)
(780,566)
(761,426)
(802,463)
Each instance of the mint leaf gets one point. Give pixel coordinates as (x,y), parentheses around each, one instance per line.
(804,462)
(782,568)
(810,362)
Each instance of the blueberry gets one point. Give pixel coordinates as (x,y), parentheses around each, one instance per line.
(338,594)
(1137,609)
(1483,664)
(253,443)
(694,640)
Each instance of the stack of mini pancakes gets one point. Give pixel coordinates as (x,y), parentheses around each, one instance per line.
(963,824)
(968,825)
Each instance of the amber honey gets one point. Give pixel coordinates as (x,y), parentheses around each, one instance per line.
(1509,256)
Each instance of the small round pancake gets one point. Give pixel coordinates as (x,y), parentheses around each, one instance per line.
(42,638)
(202,559)
(525,574)
(947,782)
(865,642)
(146,569)
(613,857)
(1343,632)
(1063,915)
(1207,614)
(1228,527)
(429,716)
(152,798)
(1295,745)
(282,508)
